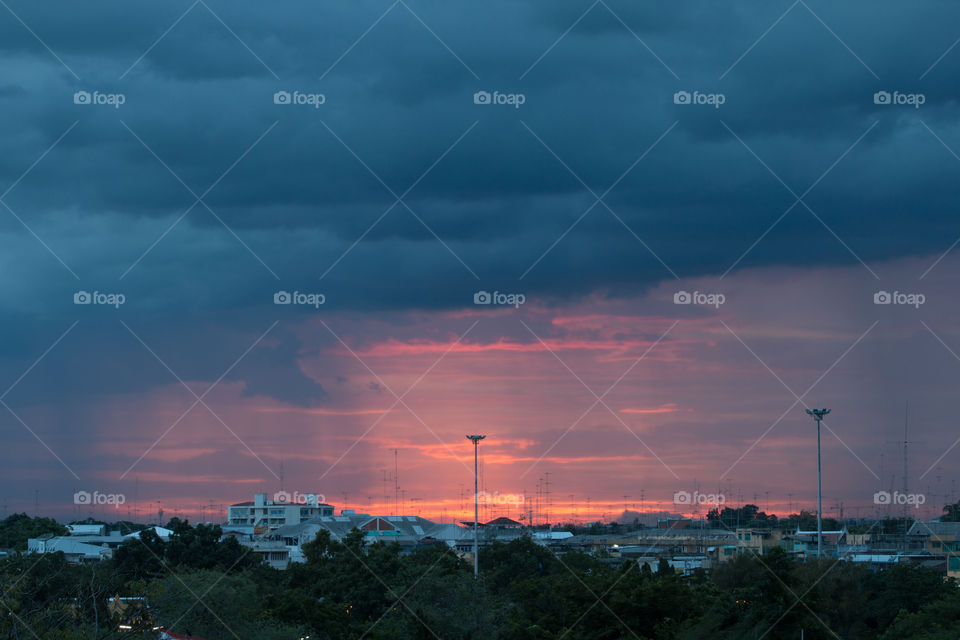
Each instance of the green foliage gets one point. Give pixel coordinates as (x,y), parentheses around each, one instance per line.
(937,620)
(200,547)
(215,606)
(214,588)
(749,515)
(16,529)
(951,513)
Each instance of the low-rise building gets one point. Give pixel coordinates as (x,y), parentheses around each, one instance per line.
(758,541)
(284,509)
(87,529)
(942,539)
(273,552)
(76,551)
(803,544)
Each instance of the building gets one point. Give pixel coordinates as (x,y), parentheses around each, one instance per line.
(803,544)
(273,552)
(410,532)
(162,532)
(87,548)
(943,539)
(87,529)
(76,551)
(758,541)
(285,509)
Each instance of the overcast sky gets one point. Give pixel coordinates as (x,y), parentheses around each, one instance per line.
(189,160)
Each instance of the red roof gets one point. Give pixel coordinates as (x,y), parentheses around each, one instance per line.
(377,524)
(504,522)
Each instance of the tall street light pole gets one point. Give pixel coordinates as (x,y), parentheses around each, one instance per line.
(476,558)
(818,416)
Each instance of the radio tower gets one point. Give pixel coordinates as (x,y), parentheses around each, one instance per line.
(396,480)
(906,443)
(548,499)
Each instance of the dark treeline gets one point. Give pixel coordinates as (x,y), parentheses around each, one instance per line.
(199,584)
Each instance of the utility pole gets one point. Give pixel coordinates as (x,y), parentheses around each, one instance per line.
(818,416)
(476,556)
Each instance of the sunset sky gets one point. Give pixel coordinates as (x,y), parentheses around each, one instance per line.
(158,151)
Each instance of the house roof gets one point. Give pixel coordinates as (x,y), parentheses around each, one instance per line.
(400,528)
(503,522)
(377,524)
(162,532)
(935,528)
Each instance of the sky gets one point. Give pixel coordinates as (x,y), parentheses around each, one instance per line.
(247,248)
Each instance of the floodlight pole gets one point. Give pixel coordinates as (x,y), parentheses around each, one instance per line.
(476,558)
(818,416)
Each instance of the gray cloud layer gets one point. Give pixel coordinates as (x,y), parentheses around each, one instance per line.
(296,193)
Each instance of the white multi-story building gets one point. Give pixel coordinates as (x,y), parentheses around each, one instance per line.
(285,508)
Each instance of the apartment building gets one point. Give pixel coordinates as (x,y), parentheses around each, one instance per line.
(284,509)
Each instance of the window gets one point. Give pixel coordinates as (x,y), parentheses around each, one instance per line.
(954,563)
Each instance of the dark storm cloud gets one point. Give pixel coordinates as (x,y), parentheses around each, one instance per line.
(290,182)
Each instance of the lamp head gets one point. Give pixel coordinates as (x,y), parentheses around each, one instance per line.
(818,413)
(476,439)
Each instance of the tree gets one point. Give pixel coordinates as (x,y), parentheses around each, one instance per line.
(16,529)
(951,513)
(215,606)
